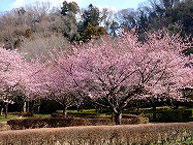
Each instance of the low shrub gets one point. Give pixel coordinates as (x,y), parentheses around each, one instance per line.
(54,122)
(56,115)
(174,115)
(170,115)
(27,114)
(168,133)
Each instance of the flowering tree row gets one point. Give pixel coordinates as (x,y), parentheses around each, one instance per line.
(109,73)
(16,76)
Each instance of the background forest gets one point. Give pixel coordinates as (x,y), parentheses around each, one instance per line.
(39,26)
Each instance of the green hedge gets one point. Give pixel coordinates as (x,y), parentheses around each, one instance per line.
(66,122)
(170,115)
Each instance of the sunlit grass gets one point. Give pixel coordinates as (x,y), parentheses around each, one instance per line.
(85,113)
(42,115)
(11,116)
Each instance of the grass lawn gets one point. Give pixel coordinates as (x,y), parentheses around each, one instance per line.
(11,116)
(85,113)
(42,115)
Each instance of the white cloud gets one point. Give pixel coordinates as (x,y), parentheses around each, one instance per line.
(73,1)
(112,8)
(18,3)
(22,3)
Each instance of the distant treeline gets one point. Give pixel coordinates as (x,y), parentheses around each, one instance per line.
(75,24)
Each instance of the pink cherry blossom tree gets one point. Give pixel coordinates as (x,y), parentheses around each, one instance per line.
(11,65)
(117,72)
(60,84)
(50,80)
(32,83)
(18,76)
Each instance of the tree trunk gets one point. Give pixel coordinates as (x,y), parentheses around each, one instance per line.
(98,109)
(137,110)
(117,118)
(79,108)
(38,106)
(1,113)
(153,104)
(2,107)
(25,107)
(32,106)
(6,110)
(64,112)
(113,117)
(38,109)
(28,103)
(154,112)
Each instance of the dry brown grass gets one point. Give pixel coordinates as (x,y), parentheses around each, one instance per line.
(41,45)
(4,127)
(171,133)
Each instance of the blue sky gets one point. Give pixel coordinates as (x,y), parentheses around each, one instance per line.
(6,5)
